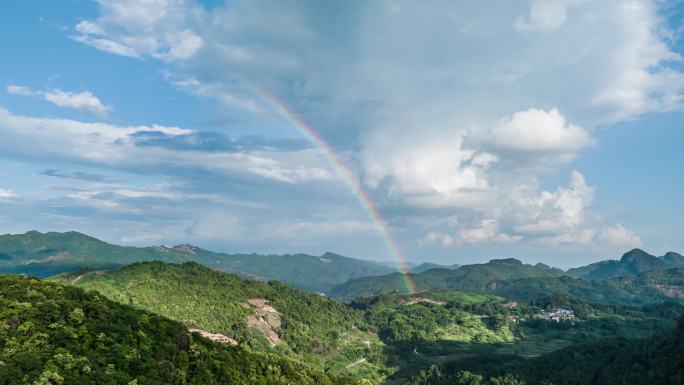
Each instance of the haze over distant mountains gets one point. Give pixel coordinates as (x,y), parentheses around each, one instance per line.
(44,254)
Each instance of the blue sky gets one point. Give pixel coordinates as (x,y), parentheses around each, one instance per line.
(546,131)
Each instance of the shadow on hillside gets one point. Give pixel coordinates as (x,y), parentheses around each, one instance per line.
(413,356)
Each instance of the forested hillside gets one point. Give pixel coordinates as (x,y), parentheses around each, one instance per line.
(631,263)
(52,334)
(267,316)
(474,277)
(45,254)
(388,336)
(654,361)
(528,284)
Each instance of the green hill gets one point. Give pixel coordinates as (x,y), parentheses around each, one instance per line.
(52,334)
(638,290)
(266,316)
(372,338)
(476,277)
(425,266)
(631,264)
(45,254)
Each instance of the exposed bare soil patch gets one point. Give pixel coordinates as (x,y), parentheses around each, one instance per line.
(265,319)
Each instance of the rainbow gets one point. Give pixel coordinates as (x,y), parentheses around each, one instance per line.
(344,174)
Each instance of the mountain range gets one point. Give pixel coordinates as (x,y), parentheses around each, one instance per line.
(624,281)
(631,264)
(45,254)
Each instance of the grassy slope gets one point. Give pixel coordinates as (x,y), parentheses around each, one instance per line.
(52,334)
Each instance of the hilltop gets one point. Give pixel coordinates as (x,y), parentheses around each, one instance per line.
(630,264)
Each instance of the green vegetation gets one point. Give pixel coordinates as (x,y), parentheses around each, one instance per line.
(51,334)
(632,263)
(43,255)
(643,289)
(654,361)
(385,338)
(434,327)
(525,282)
(302,325)
(469,278)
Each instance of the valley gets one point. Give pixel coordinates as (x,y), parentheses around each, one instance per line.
(504,309)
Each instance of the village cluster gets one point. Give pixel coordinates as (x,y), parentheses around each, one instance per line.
(556,315)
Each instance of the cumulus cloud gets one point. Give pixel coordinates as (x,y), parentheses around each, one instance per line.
(537,130)
(620,236)
(82,101)
(486,231)
(554,211)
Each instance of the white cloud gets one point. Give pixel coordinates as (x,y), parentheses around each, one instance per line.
(83,101)
(423,168)
(581,237)
(620,236)
(158,28)
(487,231)
(537,130)
(553,212)
(18,90)
(114,147)
(4,194)
(639,78)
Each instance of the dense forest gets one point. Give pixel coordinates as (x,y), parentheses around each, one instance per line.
(526,282)
(306,326)
(387,336)
(52,334)
(653,361)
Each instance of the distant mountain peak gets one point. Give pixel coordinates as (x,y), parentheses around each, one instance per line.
(673,259)
(330,254)
(636,254)
(506,261)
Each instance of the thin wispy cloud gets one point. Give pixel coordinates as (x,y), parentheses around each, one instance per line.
(83,101)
